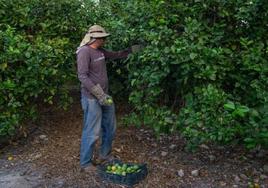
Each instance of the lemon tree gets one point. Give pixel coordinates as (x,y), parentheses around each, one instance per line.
(199,57)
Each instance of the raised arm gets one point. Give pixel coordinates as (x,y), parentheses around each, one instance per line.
(117,54)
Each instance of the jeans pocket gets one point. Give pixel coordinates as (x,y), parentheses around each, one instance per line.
(84,102)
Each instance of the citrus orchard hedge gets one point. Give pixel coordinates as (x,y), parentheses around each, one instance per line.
(37,42)
(203,70)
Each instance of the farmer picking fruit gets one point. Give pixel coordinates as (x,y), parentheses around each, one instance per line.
(97,104)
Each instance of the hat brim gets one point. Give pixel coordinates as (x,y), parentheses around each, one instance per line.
(99,35)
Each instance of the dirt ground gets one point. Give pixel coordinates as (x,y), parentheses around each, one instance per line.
(49,157)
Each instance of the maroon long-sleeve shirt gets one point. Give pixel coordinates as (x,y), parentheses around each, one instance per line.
(91,67)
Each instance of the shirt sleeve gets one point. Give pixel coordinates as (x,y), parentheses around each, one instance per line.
(83,60)
(116,55)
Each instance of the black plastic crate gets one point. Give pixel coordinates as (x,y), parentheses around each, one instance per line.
(129,179)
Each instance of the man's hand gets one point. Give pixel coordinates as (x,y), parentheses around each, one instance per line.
(136,48)
(107,100)
(103,98)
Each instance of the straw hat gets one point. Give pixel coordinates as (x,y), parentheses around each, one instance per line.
(94,32)
(97,31)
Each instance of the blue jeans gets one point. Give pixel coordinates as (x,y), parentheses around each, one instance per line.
(99,121)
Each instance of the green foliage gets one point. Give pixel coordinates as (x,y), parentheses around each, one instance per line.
(38,39)
(203,70)
(205,63)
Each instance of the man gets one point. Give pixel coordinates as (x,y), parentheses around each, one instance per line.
(98,107)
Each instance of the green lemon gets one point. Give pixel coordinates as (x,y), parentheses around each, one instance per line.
(135,166)
(109,101)
(113,168)
(129,170)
